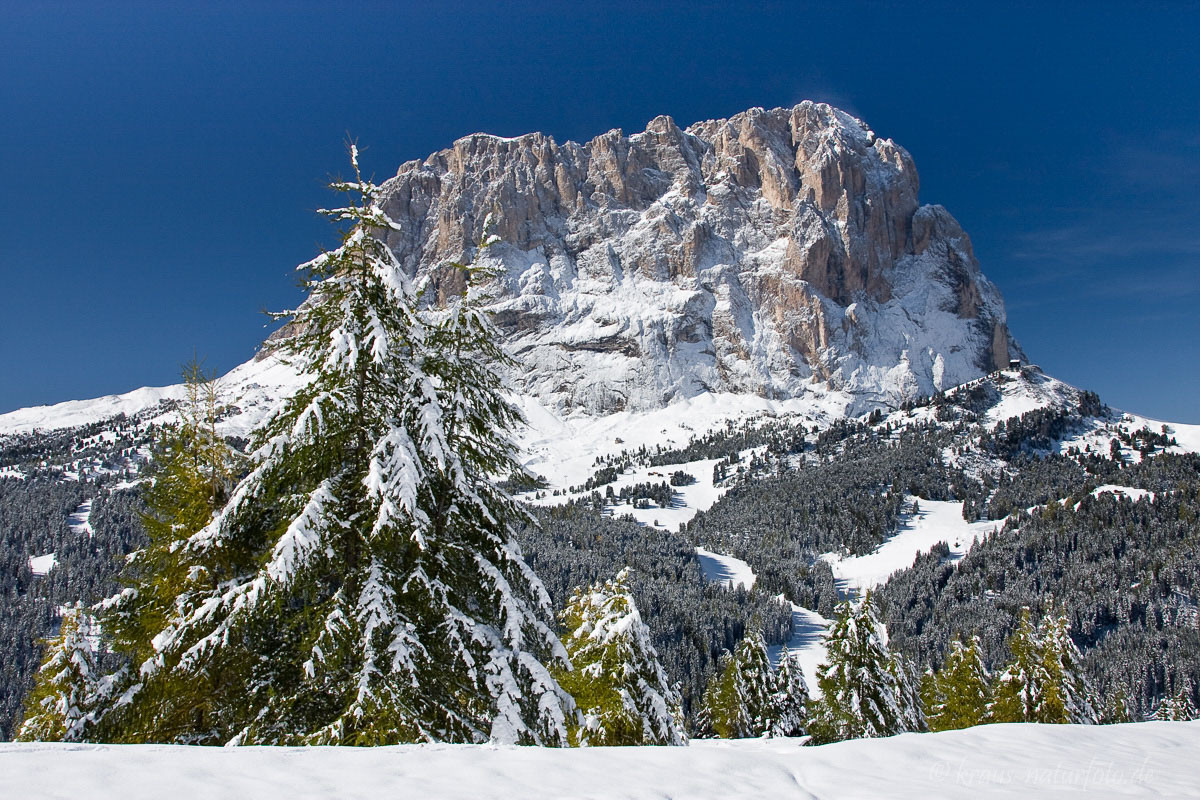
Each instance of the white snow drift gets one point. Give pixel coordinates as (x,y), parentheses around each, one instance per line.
(1150,759)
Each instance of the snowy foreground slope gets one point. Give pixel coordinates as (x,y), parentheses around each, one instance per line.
(1153,759)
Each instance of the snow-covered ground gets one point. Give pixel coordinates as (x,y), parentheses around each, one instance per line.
(41,565)
(807,645)
(1126,491)
(1150,760)
(936,521)
(724,569)
(255,387)
(564,450)
(1022,393)
(688,500)
(80,520)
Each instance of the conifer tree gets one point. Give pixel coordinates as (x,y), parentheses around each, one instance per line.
(957,696)
(866,690)
(790,701)
(1064,664)
(1017,696)
(361,585)
(740,699)
(616,680)
(190,477)
(59,706)
(1176,708)
(1116,708)
(1044,681)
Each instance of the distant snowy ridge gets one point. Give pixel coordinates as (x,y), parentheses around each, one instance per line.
(1143,760)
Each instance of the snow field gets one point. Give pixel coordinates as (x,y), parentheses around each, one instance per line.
(807,645)
(688,500)
(255,386)
(564,450)
(726,570)
(1142,760)
(80,520)
(80,523)
(1126,491)
(41,565)
(936,521)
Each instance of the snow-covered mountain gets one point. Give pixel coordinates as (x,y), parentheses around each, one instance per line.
(759,254)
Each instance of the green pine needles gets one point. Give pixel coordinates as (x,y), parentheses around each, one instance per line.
(959,694)
(1044,681)
(60,705)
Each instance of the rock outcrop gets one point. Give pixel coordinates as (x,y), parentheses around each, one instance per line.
(760,253)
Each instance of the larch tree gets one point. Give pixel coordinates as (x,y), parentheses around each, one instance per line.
(957,695)
(1044,681)
(362,584)
(620,687)
(1020,686)
(1064,664)
(190,477)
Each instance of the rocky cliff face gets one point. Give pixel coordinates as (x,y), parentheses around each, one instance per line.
(761,254)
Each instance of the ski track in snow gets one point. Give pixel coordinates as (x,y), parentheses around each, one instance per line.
(1139,760)
(936,521)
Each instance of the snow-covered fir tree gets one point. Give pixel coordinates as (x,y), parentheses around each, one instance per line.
(361,585)
(790,701)
(616,679)
(1043,682)
(1116,709)
(740,699)
(59,706)
(957,695)
(1176,708)
(866,689)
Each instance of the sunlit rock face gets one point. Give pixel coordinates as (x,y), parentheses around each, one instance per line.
(763,253)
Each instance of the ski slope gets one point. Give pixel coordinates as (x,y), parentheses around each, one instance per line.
(807,645)
(936,521)
(1143,760)
(80,520)
(726,570)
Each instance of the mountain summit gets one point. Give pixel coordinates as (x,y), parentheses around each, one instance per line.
(760,254)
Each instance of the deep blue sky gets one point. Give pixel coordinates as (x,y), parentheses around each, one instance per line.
(160,164)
